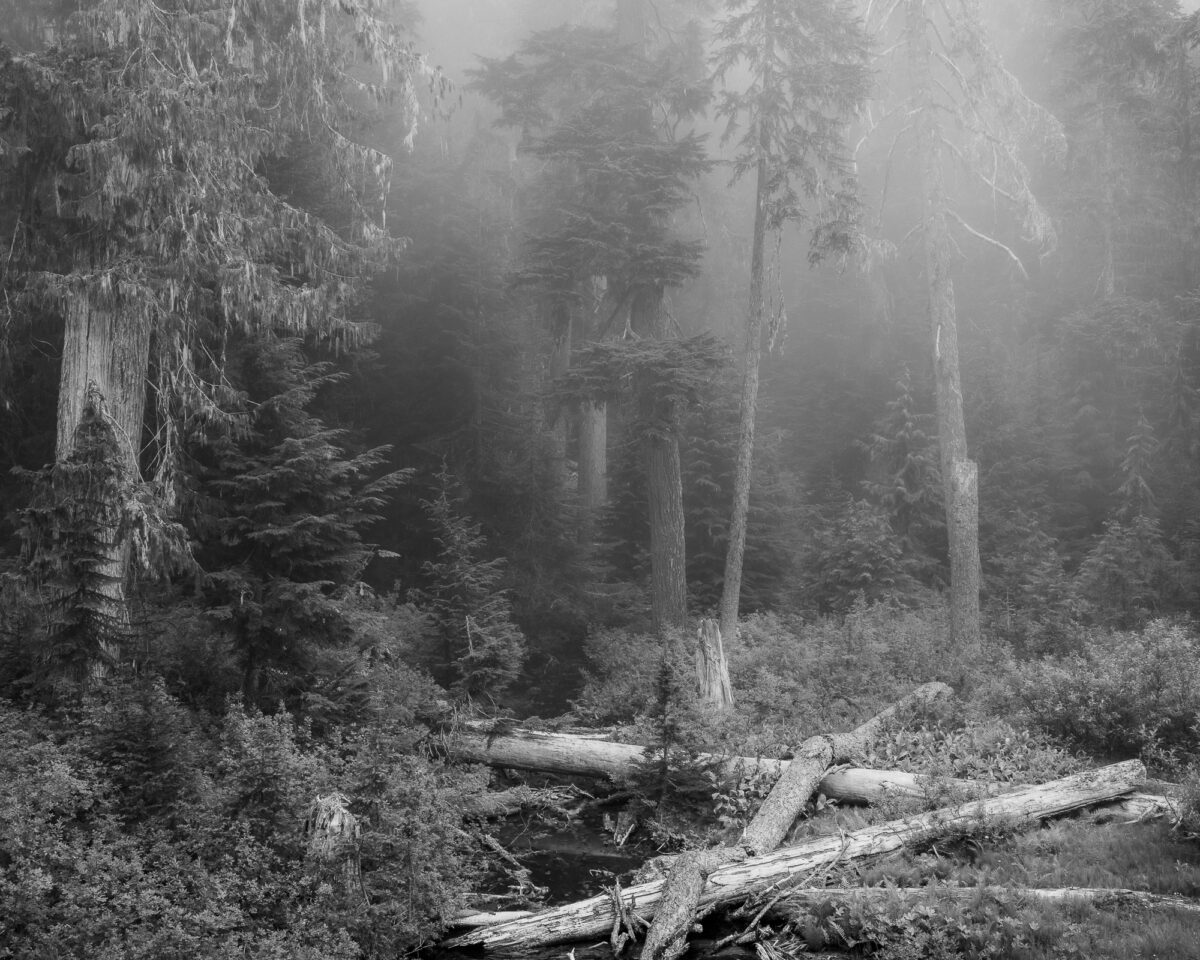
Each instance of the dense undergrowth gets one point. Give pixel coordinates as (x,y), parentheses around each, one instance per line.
(1107,694)
(152,814)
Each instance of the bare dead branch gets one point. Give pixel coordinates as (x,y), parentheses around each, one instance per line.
(992,241)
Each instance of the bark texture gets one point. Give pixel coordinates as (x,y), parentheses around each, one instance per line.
(102,390)
(107,354)
(668,574)
(712,669)
(733,882)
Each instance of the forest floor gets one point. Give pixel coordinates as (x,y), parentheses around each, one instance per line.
(579,858)
(996,921)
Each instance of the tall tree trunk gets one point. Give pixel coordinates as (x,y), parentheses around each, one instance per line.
(593,421)
(560,362)
(664,474)
(101,402)
(731,589)
(668,576)
(664,485)
(959,474)
(1107,287)
(593,465)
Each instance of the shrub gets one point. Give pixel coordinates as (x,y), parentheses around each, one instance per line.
(1126,692)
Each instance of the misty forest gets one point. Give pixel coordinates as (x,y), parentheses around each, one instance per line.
(599,478)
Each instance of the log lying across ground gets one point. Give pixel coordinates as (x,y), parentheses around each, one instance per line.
(798,904)
(733,882)
(591,756)
(813,759)
(667,937)
(569,755)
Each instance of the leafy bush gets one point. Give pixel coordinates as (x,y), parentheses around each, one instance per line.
(944,740)
(619,681)
(791,678)
(1127,692)
(137,830)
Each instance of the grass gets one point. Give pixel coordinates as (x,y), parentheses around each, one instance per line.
(1149,857)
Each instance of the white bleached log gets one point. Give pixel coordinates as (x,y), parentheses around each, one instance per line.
(733,882)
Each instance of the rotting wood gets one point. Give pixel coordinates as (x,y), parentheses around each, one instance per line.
(504,803)
(732,882)
(482,919)
(667,937)
(799,903)
(1138,808)
(712,669)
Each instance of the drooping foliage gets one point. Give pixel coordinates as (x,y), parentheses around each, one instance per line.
(154,204)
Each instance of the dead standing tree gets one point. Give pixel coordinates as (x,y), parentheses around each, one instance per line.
(961,107)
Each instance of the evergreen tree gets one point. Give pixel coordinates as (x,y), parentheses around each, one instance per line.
(807,74)
(480,646)
(906,481)
(588,103)
(280,519)
(144,149)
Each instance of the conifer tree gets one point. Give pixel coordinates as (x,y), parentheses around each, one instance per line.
(142,148)
(586,101)
(908,483)
(481,647)
(281,514)
(807,75)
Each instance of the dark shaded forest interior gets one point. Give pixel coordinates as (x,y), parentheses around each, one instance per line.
(463,461)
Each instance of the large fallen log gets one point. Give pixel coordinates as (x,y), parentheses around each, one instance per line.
(798,904)
(667,937)
(1138,808)
(569,755)
(813,758)
(733,882)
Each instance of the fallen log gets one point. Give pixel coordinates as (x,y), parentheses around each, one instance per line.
(1138,808)
(667,937)
(505,803)
(569,755)
(798,904)
(474,918)
(814,757)
(732,882)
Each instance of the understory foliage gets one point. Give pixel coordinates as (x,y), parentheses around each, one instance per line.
(150,831)
(1123,693)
